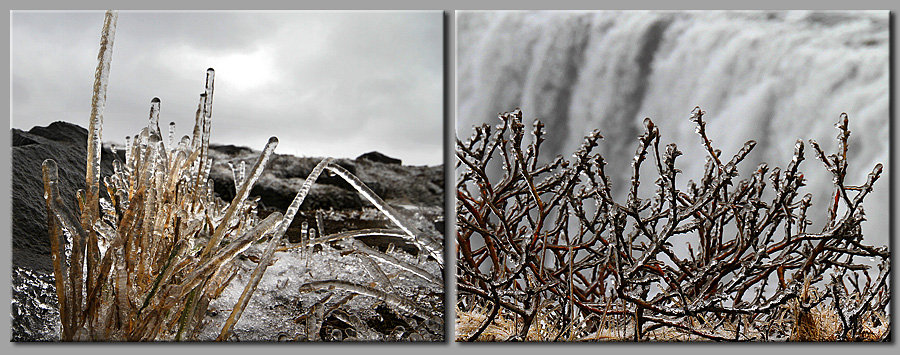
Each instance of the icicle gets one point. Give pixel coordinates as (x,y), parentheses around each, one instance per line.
(320,222)
(237,175)
(171,140)
(304,231)
(153,124)
(128,150)
(307,249)
(242,172)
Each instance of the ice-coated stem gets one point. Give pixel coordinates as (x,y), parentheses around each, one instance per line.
(250,288)
(301,195)
(388,259)
(396,302)
(198,125)
(91,210)
(372,232)
(51,195)
(172,136)
(95,127)
(427,244)
(153,125)
(239,199)
(208,267)
(207,124)
(271,247)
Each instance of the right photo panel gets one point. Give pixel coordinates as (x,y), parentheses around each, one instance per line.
(673,176)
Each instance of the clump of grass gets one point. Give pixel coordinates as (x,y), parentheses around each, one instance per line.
(152,244)
(543,235)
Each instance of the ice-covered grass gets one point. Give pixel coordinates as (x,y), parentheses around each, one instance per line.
(153,248)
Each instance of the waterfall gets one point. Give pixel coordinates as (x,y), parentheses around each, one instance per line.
(774,77)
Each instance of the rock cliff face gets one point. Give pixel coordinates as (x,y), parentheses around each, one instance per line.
(414,190)
(67,144)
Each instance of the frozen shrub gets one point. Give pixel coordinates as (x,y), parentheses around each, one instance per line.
(726,258)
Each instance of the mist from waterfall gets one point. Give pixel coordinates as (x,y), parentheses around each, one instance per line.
(773,77)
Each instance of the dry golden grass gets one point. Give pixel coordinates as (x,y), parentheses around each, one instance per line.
(818,324)
(502,328)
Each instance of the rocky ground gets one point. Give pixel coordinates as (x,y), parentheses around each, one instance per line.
(416,191)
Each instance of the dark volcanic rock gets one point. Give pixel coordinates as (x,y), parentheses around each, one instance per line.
(67,145)
(278,194)
(233,150)
(378,157)
(284,174)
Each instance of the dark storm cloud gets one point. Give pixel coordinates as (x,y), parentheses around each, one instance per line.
(326,83)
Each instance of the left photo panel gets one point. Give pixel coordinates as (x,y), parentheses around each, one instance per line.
(227,176)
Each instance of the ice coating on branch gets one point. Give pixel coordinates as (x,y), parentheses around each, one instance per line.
(396,302)
(210,81)
(171,135)
(426,243)
(51,195)
(240,197)
(87,248)
(199,117)
(154,116)
(389,259)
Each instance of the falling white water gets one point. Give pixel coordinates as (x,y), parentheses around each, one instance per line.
(774,77)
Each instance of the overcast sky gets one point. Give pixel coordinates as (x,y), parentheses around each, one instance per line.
(333,84)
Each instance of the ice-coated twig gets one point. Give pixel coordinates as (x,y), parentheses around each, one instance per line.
(255,277)
(51,195)
(91,211)
(373,232)
(388,259)
(270,248)
(424,242)
(239,198)
(228,253)
(396,302)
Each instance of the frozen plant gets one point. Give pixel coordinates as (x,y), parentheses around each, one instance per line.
(548,246)
(152,245)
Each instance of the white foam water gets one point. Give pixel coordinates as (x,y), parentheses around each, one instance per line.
(773,77)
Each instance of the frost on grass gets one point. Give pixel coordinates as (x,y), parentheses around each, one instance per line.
(153,249)
(721,257)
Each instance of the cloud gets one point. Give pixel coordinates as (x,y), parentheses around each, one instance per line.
(327,83)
